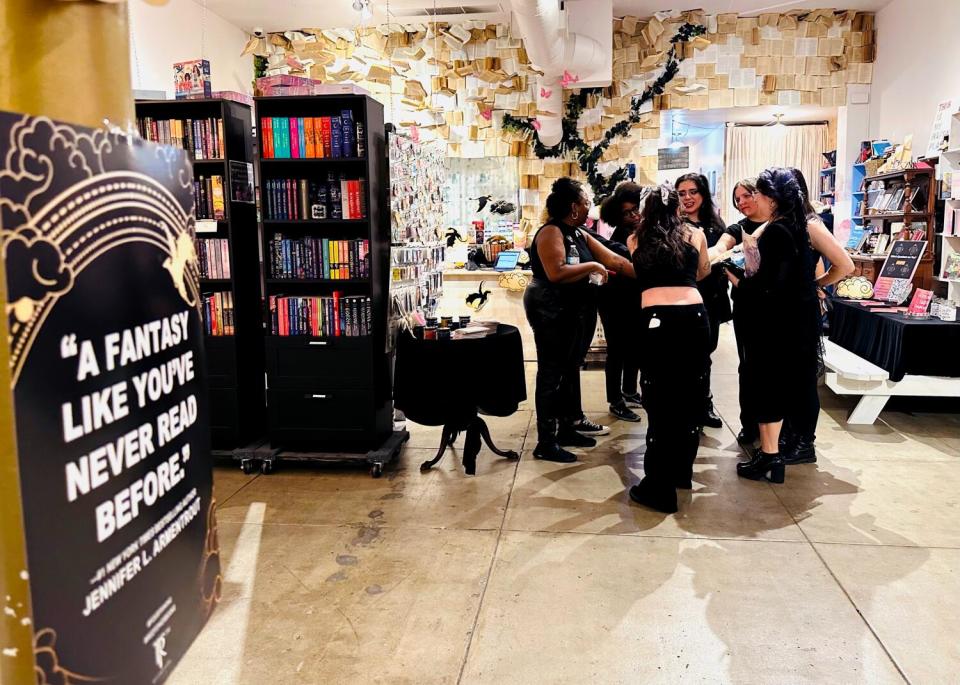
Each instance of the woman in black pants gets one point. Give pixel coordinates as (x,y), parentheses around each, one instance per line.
(669,256)
(619,306)
(696,204)
(560,303)
(782,334)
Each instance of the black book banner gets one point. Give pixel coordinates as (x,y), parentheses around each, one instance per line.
(110,402)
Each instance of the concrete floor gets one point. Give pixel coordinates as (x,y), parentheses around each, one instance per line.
(532,572)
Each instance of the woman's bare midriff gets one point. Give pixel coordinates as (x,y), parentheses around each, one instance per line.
(679,295)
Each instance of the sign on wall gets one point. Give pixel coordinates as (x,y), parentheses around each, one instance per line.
(671,158)
(109,396)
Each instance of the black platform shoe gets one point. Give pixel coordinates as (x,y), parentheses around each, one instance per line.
(801,452)
(664,501)
(763,467)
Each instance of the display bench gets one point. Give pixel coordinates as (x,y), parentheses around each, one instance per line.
(218,136)
(326,249)
(910,197)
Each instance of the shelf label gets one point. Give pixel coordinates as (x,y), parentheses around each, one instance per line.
(206,226)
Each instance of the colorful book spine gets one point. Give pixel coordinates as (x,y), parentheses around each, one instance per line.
(294,124)
(347,134)
(336,137)
(327,131)
(302,140)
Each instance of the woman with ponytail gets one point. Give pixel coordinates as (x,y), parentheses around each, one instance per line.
(782,348)
(669,257)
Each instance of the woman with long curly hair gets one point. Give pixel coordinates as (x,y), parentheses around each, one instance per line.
(698,208)
(782,347)
(669,257)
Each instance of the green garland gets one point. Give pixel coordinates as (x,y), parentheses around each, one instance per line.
(588,157)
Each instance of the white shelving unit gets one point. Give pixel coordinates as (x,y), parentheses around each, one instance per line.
(950,243)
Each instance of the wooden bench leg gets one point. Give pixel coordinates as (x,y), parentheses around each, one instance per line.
(868,409)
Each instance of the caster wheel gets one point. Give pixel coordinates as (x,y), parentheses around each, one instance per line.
(266,467)
(376,470)
(247,466)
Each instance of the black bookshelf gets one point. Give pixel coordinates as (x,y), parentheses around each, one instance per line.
(235,363)
(330,394)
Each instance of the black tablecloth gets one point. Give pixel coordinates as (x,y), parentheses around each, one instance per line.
(440,382)
(895,343)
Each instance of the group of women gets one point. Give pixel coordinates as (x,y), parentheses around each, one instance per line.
(662,290)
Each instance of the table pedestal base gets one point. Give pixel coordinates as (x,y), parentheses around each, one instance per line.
(476,430)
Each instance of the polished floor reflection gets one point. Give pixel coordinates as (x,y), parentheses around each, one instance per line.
(532,572)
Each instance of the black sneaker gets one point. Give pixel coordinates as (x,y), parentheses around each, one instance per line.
(633,400)
(585,425)
(802,452)
(624,413)
(568,437)
(553,452)
(711,419)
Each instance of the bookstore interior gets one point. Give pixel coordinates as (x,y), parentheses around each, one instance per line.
(296,263)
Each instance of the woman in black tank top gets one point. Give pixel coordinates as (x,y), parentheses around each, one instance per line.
(669,257)
(560,304)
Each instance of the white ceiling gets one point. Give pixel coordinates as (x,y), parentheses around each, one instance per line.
(692,125)
(281,15)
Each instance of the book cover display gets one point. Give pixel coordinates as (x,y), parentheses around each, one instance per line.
(112,423)
(192,79)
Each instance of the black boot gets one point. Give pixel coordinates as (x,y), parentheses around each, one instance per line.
(803,451)
(548,448)
(763,467)
(568,437)
(748,436)
(659,499)
(710,417)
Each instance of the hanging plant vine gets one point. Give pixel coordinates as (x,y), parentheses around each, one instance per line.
(589,156)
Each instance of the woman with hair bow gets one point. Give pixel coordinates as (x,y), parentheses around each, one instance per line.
(669,257)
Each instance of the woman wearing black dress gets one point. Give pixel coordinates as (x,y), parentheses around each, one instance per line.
(560,304)
(698,209)
(669,256)
(782,335)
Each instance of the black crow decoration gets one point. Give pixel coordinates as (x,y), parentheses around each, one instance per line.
(503,207)
(477,300)
(453,235)
(484,199)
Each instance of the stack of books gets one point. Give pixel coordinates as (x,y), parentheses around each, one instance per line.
(312,137)
(319,258)
(334,316)
(292,199)
(208,192)
(213,255)
(218,313)
(201,138)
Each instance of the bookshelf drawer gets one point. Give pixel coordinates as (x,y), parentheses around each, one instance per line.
(310,363)
(320,410)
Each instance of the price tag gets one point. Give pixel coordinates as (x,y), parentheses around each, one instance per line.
(206,226)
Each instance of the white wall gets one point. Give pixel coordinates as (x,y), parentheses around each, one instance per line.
(916,68)
(162,35)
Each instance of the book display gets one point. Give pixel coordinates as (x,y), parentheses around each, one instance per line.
(828,178)
(217,133)
(326,247)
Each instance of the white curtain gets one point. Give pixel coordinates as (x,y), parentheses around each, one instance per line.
(751,149)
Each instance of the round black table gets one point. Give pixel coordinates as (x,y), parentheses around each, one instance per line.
(450,382)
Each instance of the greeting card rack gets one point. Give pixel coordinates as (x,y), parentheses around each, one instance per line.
(231,293)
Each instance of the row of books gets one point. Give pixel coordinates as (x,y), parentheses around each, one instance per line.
(201,138)
(213,255)
(208,191)
(312,137)
(827,183)
(291,199)
(319,258)
(217,312)
(951,220)
(321,317)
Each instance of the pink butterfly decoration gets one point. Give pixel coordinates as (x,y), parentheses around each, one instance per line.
(568,78)
(486,114)
(536,124)
(415,134)
(544,93)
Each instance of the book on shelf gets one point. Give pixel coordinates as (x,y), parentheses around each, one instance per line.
(213,257)
(291,199)
(951,220)
(217,309)
(210,201)
(312,137)
(951,266)
(201,138)
(320,258)
(330,316)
